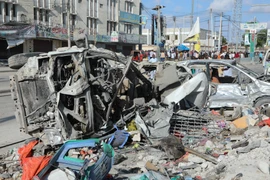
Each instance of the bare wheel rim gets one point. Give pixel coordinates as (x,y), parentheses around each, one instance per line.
(264,107)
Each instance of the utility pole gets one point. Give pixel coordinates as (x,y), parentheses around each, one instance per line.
(208,35)
(68,23)
(220,31)
(180,36)
(174,19)
(157,8)
(252,44)
(192,12)
(191,19)
(212,28)
(159,34)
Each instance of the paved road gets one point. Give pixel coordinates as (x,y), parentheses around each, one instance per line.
(9,128)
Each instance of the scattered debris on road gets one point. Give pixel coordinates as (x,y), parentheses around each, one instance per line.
(94,114)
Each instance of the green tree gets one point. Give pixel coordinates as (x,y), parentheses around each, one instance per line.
(224,40)
(261,38)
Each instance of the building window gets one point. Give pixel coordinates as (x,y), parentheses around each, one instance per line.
(6,9)
(14,10)
(47,15)
(111,26)
(40,3)
(40,15)
(35,13)
(128,7)
(111,9)
(92,25)
(128,28)
(167,37)
(73,20)
(176,37)
(64,18)
(47,4)
(92,8)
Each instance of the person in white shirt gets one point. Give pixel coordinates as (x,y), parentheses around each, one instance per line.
(173,55)
(153,59)
(151,54)
(169,54)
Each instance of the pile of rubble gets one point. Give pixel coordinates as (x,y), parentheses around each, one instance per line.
(98,116)
(212,148)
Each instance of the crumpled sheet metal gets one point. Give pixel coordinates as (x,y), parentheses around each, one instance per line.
(156,124)
(162,80)
(228,95)
(197,87)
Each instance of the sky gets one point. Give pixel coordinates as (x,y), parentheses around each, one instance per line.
(181,9)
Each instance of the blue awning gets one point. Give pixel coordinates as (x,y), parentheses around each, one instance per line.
(182,47)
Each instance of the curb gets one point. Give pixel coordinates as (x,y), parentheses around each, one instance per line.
(7,71)
(2,91)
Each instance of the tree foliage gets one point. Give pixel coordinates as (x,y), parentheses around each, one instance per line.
(224,40)
(261,38)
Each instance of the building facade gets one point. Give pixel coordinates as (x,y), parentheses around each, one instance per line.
(175,37)
(41,25)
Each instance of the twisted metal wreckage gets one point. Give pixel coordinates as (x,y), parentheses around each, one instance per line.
(75,93)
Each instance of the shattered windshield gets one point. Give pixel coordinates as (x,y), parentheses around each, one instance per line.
(247,70)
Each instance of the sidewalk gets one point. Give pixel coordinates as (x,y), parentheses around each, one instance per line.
(5,72)
(6,69)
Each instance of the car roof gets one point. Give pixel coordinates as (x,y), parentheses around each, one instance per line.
(66,50)
(204,61)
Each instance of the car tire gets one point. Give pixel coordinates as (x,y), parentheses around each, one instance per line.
(18,60)
(264,105)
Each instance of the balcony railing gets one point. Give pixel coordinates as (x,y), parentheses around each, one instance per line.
(12,1)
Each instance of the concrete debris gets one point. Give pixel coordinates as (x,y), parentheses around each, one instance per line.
(251,146)
(95,114)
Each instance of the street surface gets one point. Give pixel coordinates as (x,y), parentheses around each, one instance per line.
(9,129)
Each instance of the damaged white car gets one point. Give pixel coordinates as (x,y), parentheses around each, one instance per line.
(235,84)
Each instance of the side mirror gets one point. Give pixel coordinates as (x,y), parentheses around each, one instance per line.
(243,87)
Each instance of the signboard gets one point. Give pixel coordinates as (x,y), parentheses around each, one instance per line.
(246,26)
(132,38)
(128,17)
(253,31)
(252,45)
(143,39)
(53,32)
(122,37)
(114,36)
(247,40)
(143,20)
(18,31)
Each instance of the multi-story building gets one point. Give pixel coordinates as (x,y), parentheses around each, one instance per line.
(41,25)
(177,36)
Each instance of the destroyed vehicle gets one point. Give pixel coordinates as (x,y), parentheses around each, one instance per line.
(76,92)
(266,62)
(236,85)
(174,85)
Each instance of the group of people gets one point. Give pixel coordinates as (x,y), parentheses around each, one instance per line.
(174,55)
(219,55)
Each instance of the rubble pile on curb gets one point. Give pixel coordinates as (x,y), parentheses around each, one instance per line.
(100,117)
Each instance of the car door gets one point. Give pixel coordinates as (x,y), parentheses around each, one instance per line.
(232,89)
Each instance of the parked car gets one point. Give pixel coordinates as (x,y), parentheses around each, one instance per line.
(237,85)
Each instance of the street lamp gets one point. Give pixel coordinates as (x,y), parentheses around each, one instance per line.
(157,8)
